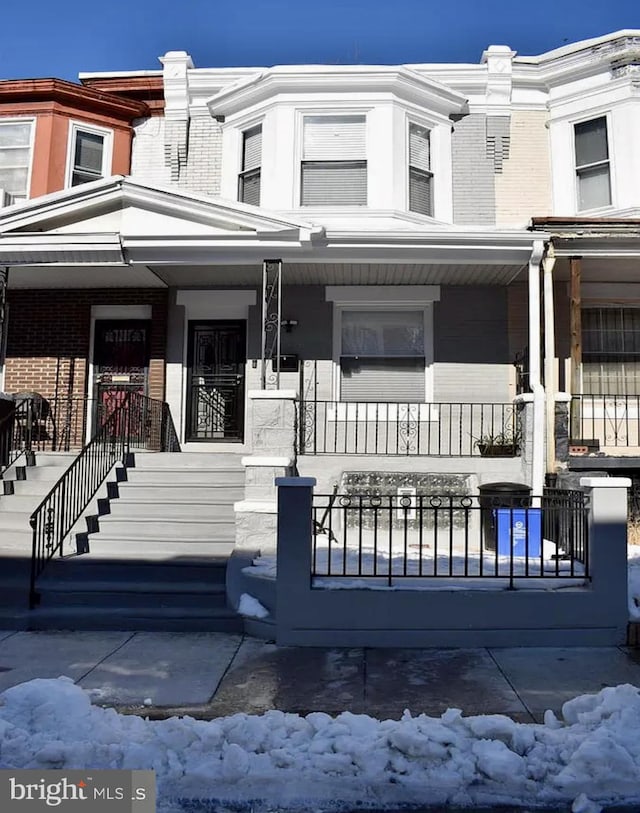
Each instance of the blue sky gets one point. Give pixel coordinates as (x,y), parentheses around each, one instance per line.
(49,38)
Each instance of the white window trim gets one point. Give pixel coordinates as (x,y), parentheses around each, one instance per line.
(32,140)
(383,298)
(107,147)
(593,115)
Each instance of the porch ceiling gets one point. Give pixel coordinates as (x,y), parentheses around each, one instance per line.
(596,269)
(342,274)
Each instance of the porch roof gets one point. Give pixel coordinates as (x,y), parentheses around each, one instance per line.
(189,239)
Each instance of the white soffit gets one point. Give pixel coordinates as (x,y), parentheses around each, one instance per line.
(96,276)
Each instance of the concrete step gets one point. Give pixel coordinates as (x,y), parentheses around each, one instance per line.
(93,568)
(152,527)
(209,460)
(15,540)
(21,503)
(60,459)
(38,487)
(186,476)
(164,494)
(13,521)
(167,619)
(201,511)
(154,549)
(147,596)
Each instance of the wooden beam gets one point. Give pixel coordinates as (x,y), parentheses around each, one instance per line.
(575,322)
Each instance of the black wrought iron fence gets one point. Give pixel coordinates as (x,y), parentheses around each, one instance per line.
(425,536)
(137,422)
(605,420)
(437,429)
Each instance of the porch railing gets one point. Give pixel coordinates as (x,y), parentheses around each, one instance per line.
(605,420)
(385,538)
(137,423)
(16,433)
(436,429)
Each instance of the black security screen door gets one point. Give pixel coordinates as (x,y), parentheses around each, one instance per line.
(215,397)
(120,362)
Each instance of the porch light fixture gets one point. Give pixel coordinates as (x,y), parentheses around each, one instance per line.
(289,324)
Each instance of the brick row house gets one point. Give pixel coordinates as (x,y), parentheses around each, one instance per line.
(341,269)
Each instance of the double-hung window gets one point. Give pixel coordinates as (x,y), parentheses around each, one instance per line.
(593,169)
(611,351)
(249,178)
(15,159)
(382,356)
(334,165)
(89,155)
(420,175)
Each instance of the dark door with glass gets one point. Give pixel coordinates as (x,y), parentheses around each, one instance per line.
(215,394)
(120,362)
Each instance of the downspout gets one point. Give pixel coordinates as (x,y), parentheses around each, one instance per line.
(537,455)
(549,358)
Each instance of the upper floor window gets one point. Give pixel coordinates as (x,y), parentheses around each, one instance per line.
(249,178)
(334,165)
(592,164)
(89,155)
(420,175)
(15,159)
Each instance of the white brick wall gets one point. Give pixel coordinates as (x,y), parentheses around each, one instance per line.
(523,189)
(204,157)
(147,159)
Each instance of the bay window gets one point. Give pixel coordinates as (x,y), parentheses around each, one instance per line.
(249,178)
(334,166)
(15,159)
(420,175)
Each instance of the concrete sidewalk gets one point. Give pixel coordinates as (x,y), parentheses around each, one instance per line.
(208,675)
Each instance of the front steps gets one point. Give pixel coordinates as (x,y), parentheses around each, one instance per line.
(22,489)
(157,558)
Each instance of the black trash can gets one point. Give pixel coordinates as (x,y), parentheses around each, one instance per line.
(7,414)
(499,495)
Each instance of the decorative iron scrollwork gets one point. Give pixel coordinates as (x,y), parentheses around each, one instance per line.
(271,321)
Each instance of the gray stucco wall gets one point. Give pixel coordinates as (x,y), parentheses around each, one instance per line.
(474,199)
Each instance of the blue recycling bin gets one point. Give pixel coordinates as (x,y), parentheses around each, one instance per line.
(515,528)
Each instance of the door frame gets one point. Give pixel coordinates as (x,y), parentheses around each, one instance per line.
(189,330)
(207,305)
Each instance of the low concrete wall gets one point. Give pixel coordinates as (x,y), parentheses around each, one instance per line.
(592,615)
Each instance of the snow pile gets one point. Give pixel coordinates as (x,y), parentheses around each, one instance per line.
(633,559)
(251,607)
(591,754)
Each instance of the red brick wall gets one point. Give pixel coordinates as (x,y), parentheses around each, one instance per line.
(49,332)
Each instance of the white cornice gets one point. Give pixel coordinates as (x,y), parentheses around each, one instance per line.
(317,79)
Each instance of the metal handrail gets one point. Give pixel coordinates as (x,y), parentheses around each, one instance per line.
(16,433)
(137,422)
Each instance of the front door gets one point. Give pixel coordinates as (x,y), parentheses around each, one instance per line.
(120,362)
(215,395)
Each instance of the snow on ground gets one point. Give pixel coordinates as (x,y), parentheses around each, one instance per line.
(275,761)
(251,607)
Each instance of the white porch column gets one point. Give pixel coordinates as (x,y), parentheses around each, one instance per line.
(538,456)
